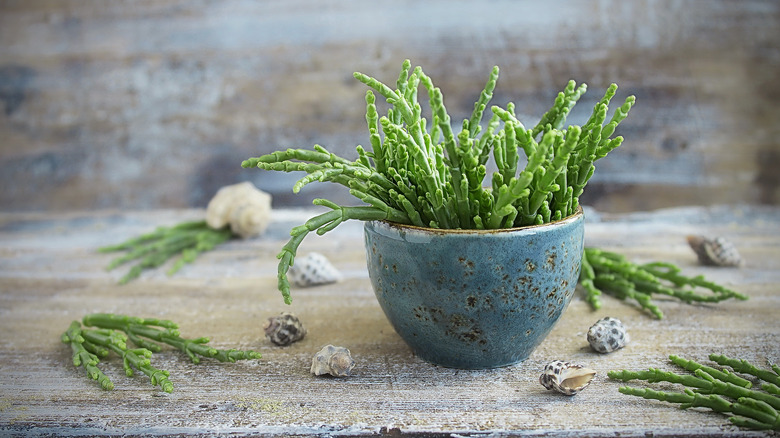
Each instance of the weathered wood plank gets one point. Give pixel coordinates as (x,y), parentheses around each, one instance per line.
(154,104)
(50,275)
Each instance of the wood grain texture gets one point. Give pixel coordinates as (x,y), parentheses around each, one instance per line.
(154,104)
(50,275)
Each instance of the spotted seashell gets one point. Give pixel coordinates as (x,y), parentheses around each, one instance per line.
(284,329)
(715,251)
(336,361)
(566,378)
(313,269)
(607,335)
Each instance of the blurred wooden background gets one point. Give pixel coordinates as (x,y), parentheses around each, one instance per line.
(154,103)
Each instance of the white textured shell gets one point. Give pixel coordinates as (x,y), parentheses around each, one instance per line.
(607,335)
(245,207)
(566,378)
(284,329)
(336,361)
(716,251)
(313,269)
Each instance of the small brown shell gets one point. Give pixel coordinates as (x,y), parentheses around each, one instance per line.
(284,329)
(716,251)
(566,378)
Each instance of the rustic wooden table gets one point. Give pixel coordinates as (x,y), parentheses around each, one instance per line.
(51,275)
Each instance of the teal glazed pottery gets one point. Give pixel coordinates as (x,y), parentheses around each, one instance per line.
(474,299)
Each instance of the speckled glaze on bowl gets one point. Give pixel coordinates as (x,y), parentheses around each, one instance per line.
(474,299)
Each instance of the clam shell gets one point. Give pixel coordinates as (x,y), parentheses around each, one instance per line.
(313,269)
(566,378)
(607,335)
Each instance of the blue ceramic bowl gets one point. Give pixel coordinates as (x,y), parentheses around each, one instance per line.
(474,299)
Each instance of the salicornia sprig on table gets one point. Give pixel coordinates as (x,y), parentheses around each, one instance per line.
(186,240)
(718,390)
(420,171)
(612,273)
(111,333)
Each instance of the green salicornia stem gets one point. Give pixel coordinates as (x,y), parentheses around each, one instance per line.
(611,273)
(718,390)
(186,240)
(105,332)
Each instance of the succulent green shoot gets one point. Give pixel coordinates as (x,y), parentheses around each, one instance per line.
(84,358)
(185,241)
(743,366)
(717,390)
(611,273)
(724,376)
(111,332)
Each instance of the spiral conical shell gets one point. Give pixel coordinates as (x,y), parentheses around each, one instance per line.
(284,329)
(336,361)
(716,251)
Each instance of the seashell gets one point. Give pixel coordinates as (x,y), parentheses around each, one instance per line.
(607,335)
(565,377)
(715,251)
(336,361)
(244,207)
(313,269)
(284,329)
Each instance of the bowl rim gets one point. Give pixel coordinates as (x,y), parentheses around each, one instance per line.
(554,224)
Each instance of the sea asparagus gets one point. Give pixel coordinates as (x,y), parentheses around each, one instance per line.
(111,333)
(718,390)
(186,240)
(609,272)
